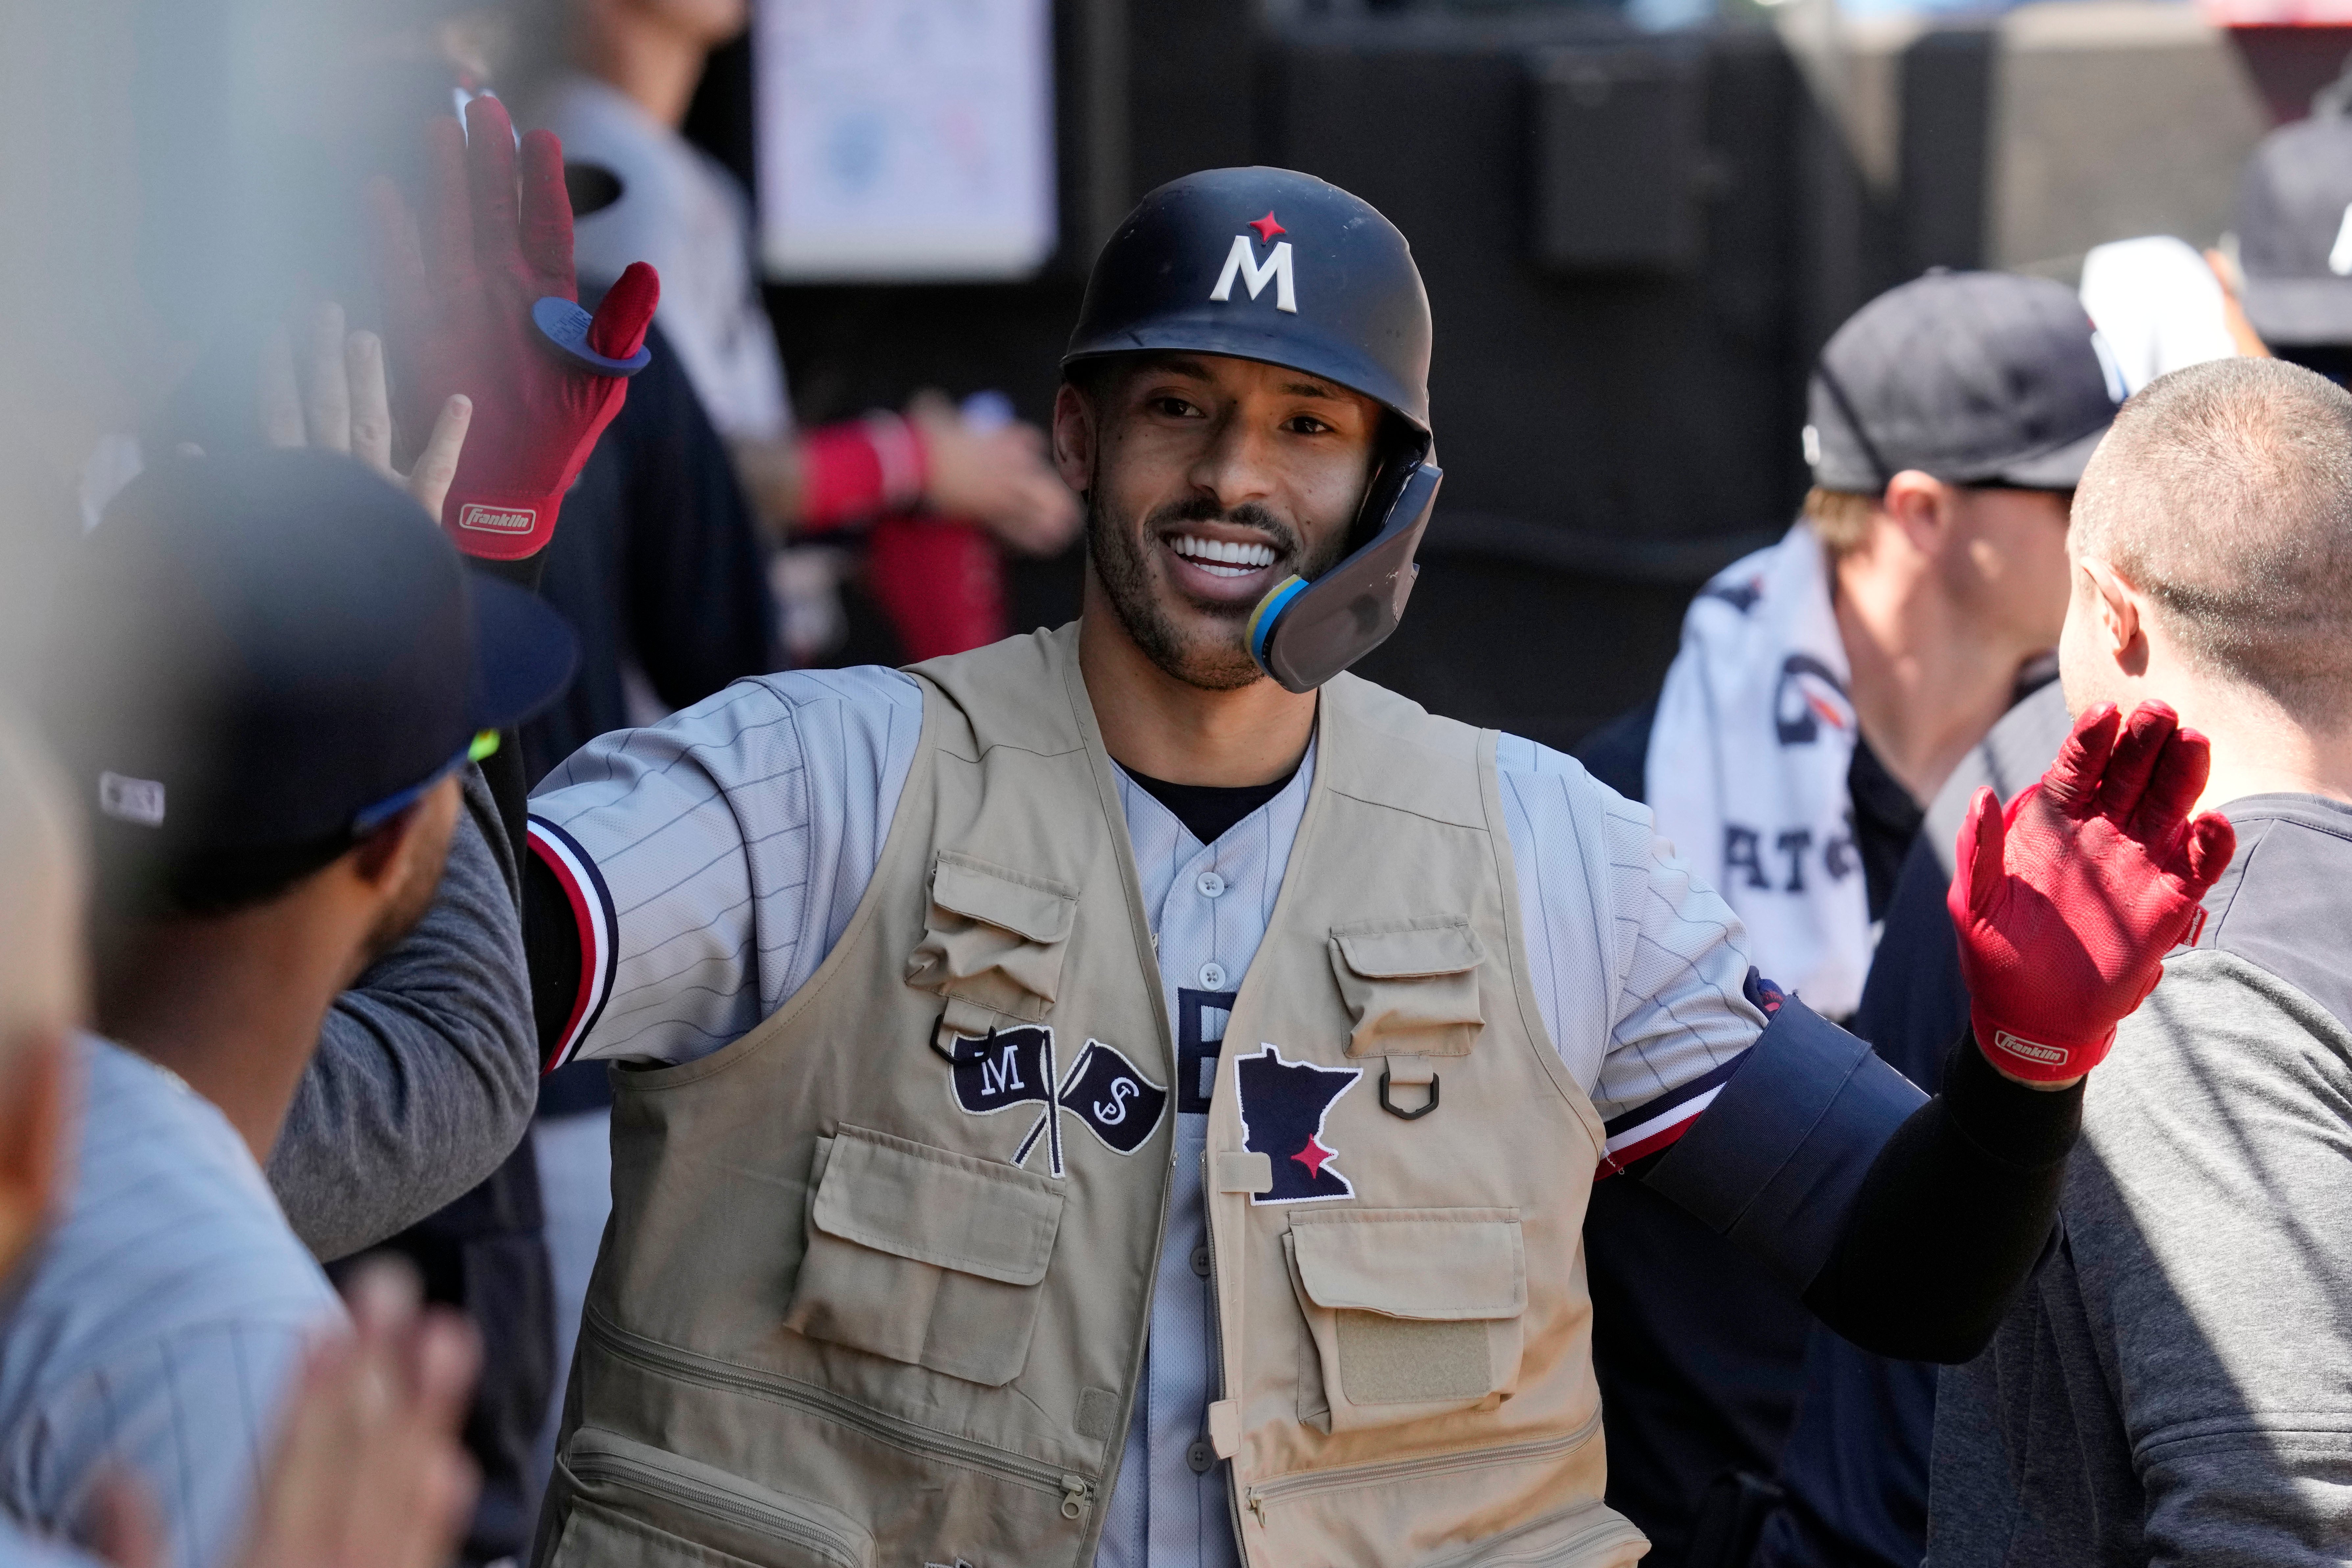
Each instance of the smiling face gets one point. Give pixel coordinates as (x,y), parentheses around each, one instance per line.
(1208,480)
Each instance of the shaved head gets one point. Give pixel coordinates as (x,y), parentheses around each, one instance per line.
(2224,494)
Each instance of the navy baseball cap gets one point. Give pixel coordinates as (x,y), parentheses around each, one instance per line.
(2295,233)
(1979,378)
(259,658)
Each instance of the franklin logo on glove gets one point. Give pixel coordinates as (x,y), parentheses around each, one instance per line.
(493,519)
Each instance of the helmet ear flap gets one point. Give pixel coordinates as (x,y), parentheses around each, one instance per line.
(1303,634)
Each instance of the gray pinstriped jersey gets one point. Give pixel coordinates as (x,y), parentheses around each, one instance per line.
(162,1322)
(733,842)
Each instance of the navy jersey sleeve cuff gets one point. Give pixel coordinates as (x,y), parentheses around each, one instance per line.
(1775,1163)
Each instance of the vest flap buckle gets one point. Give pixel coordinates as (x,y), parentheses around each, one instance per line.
(1411,986)
(1240,1170)
(932,1206)
(1225,1427)
(1428,1265)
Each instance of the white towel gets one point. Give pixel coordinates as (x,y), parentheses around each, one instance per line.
(1747,762)
(2156,305)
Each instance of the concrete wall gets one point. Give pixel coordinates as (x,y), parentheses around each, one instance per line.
(2111,119)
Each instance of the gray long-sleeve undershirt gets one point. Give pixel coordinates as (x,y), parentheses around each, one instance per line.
(428,1067)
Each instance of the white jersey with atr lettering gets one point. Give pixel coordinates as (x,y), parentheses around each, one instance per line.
(714,859)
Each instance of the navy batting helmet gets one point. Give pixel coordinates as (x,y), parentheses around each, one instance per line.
(1280,267)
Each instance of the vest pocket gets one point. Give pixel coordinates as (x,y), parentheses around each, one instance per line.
(994,941)
(1412,1312)
(624,1494)
(924,1255)
(1411,986)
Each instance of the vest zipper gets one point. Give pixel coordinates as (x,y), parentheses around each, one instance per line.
(695,1494)
(1268,1494)
(1078,1493)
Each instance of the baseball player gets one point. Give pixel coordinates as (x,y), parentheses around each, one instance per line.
(1129,1094)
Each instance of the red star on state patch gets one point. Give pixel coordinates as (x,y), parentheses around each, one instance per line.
(1313,1157)
(1267,227)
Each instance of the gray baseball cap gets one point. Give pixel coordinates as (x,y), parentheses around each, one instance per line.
(1985,378)
(2294,232)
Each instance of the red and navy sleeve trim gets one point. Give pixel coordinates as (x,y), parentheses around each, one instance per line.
(1655,1124)
(592,917)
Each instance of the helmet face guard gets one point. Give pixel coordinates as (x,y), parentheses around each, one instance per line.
(1280,266)
(1303,633)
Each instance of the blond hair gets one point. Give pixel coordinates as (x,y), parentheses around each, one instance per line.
(1840,518)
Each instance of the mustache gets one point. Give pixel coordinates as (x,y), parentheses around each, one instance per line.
(1249,514)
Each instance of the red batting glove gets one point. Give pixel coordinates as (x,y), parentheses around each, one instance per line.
(458,314)
(2067,903)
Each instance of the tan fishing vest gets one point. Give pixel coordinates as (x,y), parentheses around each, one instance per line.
(877,1279)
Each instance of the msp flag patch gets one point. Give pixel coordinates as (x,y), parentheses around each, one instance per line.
(1112,1097)
(1006,1068)
(1284,1106)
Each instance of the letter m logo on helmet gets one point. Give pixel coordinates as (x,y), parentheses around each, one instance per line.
(1241,262)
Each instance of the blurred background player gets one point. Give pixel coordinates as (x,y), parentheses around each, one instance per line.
(363,1469)
(631,70)
(264,675)
(1824,688)
(2292,238)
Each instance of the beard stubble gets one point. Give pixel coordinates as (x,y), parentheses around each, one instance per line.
(1218,657)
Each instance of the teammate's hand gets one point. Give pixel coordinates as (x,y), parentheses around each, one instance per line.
(457,303)
(332,394)
(997,477)
(2067,904)
(370,1472)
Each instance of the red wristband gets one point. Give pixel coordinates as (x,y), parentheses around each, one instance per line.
(858,470)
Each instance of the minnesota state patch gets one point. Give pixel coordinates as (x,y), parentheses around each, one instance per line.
(1284,1106)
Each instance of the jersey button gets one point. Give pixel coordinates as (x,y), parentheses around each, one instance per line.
(1201,1261)
(1200,1456)
(1212,886)
(1212,977)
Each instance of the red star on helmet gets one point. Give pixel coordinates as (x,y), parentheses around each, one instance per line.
(1267,227)
(1313,1157)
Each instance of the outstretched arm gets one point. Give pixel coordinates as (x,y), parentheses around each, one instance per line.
(1907,1223)
(688,878)
(428,1068)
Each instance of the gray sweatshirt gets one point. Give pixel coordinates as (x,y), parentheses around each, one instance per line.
(2175,1386)
(427,1068)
